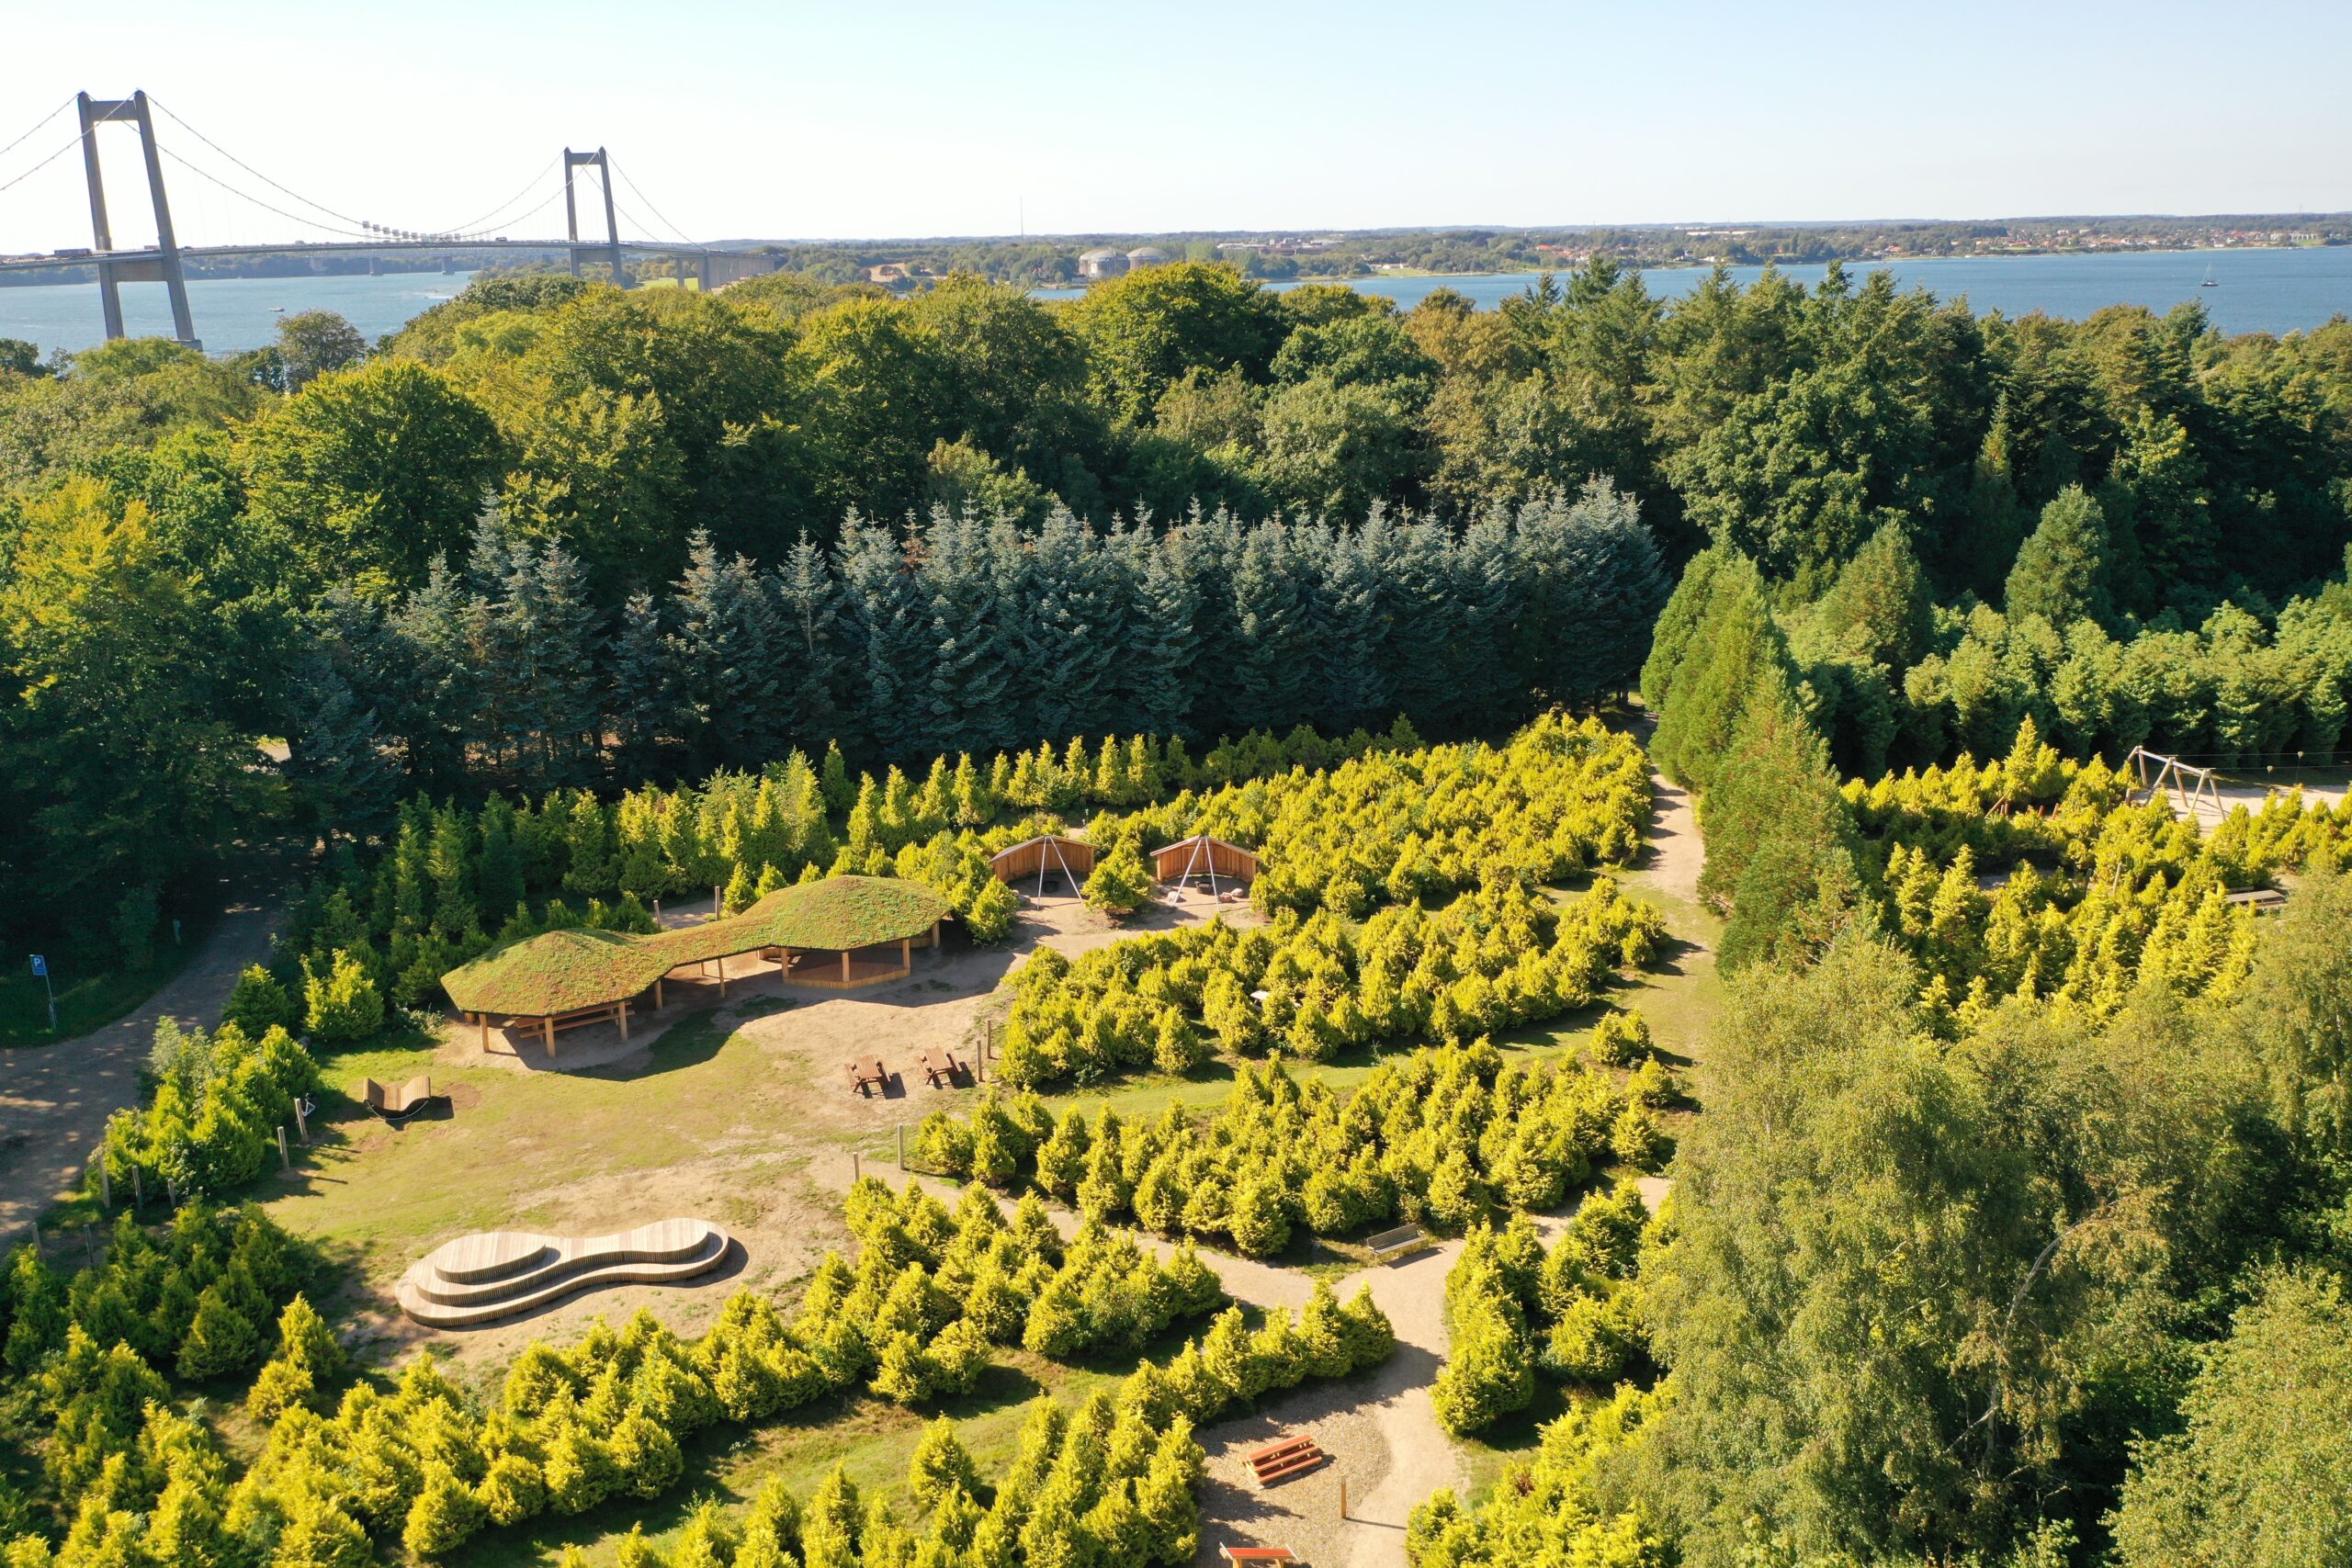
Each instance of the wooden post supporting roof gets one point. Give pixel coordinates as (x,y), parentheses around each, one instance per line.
(844,965)
(548,1024)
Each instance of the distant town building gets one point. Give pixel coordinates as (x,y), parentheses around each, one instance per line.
(1143,256)
(1102,262)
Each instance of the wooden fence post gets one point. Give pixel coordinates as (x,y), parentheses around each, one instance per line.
(285,1160)
(301,1125)
(106,1182)
(902,1145)
(853,1167)
(138,1190)
(1343,1496)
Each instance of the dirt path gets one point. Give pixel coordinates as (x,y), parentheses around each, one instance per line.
(1676,854)
(54,1100)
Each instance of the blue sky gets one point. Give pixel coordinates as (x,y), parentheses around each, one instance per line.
(927,119)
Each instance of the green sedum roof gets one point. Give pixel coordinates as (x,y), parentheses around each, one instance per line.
(566,971)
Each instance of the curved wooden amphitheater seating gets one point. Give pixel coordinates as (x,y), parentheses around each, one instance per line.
(492,1275)
(397,1104)
(1283,1459)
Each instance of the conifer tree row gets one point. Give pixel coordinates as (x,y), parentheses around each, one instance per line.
(1573,1312)
(1311,988)
(964,635)
(1446,1136)
(2097,897)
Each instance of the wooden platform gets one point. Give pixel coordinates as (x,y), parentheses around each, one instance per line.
(492,1275)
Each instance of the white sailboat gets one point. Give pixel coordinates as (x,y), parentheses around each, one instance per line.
(2209,282)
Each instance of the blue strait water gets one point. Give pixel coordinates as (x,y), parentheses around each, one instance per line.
(231,313)
(2271,291)
(2256,291)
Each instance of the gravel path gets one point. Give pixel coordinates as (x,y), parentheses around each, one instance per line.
(54,1100)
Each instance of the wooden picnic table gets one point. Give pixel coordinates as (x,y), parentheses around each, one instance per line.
(866,1074)
(939,1065)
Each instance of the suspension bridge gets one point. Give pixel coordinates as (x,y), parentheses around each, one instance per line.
(296,224)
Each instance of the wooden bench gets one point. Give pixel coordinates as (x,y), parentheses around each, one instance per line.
(1283,1459)
(867,1075)
(1392,1244)
(1239,1555)
(398,1104)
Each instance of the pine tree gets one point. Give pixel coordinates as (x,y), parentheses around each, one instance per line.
(1160,672)
(1879,609)
(886,641)
(1073,625)
(1414,562)
(2061,572)
(1274,653)
(498,871)
(433,657)
(727,654)
(1610,598)
(639,690)
(970,681)
(809,604)
(1484,697)
(1353,610)
(339,765)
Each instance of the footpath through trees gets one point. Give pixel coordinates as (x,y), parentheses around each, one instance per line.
(54,1100)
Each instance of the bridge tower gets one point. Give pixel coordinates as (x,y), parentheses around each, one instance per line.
(165,264)
(603,168)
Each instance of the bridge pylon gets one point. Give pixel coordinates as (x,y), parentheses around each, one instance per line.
(164,265)
(612,247)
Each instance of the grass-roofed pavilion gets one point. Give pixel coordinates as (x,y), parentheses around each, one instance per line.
(838,933)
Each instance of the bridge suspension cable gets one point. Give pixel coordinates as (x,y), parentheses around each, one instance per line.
(490,220)
(36,125)
(657,212)
(297,196)
(204,173)
(44,163)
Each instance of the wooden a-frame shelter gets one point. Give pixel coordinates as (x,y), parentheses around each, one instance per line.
(1200,856)
(1015,863)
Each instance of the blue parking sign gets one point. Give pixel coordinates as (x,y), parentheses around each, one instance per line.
(40,967)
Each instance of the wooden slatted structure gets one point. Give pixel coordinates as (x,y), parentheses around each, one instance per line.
(1033,860)
(492,1275)
(1204,857)
(1283,1459)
